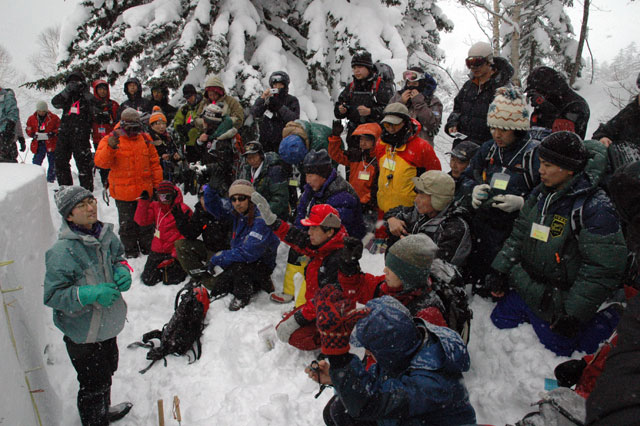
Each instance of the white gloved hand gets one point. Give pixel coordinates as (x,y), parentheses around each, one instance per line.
(262,204)
(479,194)
(508,203)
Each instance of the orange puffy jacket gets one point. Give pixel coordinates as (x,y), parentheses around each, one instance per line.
(135,166)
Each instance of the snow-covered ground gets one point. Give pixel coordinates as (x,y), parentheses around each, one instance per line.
(239,380)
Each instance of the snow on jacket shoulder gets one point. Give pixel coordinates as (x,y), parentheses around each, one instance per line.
(135,166)
(155,213)
(76,260)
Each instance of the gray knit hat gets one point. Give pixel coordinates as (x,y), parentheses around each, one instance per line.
(67,197)
(41,106)
(130,114)
(410,259)
(241,187)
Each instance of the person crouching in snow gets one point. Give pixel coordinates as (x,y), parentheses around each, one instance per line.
(322,242)
(417,377)
(249,262)
(166,233)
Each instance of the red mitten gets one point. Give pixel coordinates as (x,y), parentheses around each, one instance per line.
(336,317)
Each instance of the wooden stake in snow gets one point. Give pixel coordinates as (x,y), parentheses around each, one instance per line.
(160,413)
(176,409)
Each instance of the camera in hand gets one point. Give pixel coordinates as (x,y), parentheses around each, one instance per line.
(274,91)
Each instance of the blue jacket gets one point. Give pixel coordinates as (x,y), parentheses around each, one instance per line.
(76,260)
(249,242)
(417,379)
(339,194)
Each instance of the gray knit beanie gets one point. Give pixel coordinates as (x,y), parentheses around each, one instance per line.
(410,259)
(67,197)
(130,114)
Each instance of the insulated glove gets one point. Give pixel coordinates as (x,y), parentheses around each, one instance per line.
(569,372)
(337,128)
(103,293)
(23,144)
(349,260)
(479,194)
(122,277)
(566,325)
(336,317)
(497,282)
(290,323)
(507,202)
(262,204)
(144,195)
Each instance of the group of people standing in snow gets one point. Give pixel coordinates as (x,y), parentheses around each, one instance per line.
(524,216)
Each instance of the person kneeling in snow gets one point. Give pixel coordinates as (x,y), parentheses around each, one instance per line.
(161,264)
(566,254)
(322,242)
(249,262)
(417,378)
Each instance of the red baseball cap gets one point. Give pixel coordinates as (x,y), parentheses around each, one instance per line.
(323,215)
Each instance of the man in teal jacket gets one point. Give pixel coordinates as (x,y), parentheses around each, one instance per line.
(86,273)
(566,254)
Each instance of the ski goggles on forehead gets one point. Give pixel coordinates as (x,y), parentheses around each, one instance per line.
(410,75)
(475,61)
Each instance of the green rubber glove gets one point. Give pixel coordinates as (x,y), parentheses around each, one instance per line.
(103,293)
(122,277)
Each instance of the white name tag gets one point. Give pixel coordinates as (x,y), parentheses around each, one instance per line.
(364,175)
(255,235)
(293,182)
(157,233)
(268,114)
(389,164)
(42,136)
(540,232)
(102,130)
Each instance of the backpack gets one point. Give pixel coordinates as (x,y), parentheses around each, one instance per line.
(561,407)
(183,330)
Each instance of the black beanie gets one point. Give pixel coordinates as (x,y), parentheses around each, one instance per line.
(564,149)
(317,163)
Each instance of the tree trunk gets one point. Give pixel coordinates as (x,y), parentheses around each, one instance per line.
(515,43)
(583,35)
(496,28)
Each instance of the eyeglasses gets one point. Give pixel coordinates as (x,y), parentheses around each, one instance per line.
(475,61)
(238,198)
(410,75)
(165,196)
(84,205)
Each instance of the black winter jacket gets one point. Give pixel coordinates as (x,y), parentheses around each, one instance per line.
(624,127)
(471,104)
(136,101)
(215,233)
(282,108)
(449,230)
(74,124)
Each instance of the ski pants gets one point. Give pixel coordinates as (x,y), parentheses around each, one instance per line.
(243,280)
(94,363)
(80,148)
(152,275)
(38,158)
(334,414)
(135,238)
(511,311)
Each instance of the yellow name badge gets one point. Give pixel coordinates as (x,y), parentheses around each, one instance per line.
(389,164)
(293,182)
(540,232)
(364,175)
(157,233)
(500,181)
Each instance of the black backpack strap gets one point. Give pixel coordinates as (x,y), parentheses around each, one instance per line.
(527,165)
(576,215)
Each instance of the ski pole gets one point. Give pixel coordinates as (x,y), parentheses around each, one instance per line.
(160,413)
(176,409)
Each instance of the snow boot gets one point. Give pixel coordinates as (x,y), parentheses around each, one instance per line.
(116,412)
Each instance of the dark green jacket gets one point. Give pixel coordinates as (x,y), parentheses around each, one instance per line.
(580,265)
(270,183)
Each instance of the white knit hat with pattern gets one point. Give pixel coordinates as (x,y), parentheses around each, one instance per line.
(508,111)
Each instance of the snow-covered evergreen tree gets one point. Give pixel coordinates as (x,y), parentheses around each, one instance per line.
(546,35)
(183,41)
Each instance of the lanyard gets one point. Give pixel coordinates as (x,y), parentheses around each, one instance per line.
(256,173)
(367,165)
(545,206)
(504,168)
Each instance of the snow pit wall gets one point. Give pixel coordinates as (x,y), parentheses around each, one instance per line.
(26,232)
